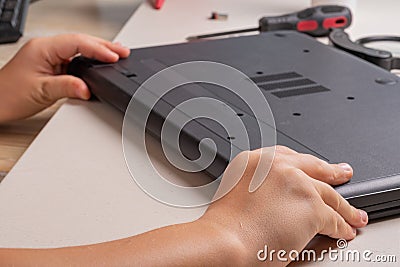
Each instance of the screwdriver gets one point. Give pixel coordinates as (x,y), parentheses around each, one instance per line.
(315,21)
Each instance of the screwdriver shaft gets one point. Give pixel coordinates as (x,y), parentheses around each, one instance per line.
(191,38)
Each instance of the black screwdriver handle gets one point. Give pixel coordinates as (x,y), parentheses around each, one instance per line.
(315,21)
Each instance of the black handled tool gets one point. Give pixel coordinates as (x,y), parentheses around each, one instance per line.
(315,21)
(381,58)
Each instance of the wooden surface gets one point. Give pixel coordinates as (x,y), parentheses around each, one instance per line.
(103,18)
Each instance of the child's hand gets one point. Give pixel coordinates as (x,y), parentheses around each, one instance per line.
(35,78)
(293,204)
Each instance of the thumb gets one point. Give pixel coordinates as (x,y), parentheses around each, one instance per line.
(61,86)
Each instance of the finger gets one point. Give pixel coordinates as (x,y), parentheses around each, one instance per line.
(355,217)
(57,87)
(335,226)
(316,168)
(117,47)
(277,149)
(63,47)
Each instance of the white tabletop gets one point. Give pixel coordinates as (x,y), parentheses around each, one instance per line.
(72,185)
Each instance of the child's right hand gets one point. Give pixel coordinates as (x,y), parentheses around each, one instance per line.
(293,204)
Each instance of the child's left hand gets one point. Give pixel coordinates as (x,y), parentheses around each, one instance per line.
(35,78)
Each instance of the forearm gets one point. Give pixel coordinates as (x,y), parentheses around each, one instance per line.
(284,213)
(190,244)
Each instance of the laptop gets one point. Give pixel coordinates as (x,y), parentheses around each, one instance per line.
(325,102)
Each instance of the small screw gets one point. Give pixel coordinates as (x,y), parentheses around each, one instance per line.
(218,16)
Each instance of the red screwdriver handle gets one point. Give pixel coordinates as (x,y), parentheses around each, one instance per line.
(315,21)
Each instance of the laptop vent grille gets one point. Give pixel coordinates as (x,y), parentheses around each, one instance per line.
(288,84)
(275,77)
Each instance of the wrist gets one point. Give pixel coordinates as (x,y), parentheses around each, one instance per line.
(232,250)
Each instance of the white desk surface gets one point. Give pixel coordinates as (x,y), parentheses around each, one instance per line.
(72,186)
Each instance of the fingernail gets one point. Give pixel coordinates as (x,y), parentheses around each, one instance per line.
(346,167)
(363,215)
(114,55)
(83,92)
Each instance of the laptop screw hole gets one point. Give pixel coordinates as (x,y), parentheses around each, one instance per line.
(280,35)
(259,72)
(350,98)
(231,138)
(240,114)
(297,114)
(306,51)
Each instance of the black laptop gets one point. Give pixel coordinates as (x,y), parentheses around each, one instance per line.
(325,102)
